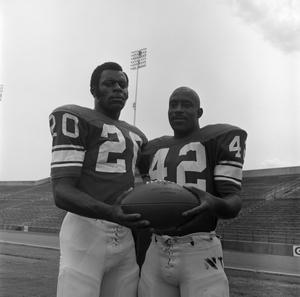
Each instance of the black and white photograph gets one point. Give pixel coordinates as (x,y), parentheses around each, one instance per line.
(149,148)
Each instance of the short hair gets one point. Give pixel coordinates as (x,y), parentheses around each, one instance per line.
(96,75)
(189,92)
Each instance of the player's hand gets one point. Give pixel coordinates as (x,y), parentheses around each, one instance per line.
(205,199)
(133,220)
(194,214)
(226,207)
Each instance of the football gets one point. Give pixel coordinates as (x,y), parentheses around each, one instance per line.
(161,203)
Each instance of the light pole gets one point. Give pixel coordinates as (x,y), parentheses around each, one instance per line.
(138,60)
(1,91)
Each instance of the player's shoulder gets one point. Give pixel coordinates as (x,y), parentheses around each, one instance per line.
(72,108)
(218,130)
(157,143)
(81,112)
(160,141)
(133,129)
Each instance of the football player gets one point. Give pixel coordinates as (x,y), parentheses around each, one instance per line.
(187,261)
(93,162)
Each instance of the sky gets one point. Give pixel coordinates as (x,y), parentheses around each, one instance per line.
(241,57)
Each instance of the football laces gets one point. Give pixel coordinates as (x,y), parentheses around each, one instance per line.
(164,182)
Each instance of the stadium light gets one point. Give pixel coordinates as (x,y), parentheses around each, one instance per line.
(138,60)
(1,91)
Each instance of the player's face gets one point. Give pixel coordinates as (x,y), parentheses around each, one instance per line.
(183,113)
(113,91)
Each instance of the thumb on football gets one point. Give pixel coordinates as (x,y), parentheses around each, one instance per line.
(196,210)
(122,196)
(197,192)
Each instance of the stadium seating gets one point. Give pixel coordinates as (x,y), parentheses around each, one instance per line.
(270,213)
(29,207)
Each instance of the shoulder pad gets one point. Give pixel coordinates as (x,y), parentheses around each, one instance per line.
(82,112)
(212,131)
(156,144)
(160,141)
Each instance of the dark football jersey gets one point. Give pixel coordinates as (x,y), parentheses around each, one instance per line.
(100,151)
(210,159)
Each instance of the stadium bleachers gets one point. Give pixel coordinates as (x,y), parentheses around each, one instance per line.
(270,213)
(29,207)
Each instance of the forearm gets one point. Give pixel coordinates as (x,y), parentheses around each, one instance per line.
(227,207)
(71,199)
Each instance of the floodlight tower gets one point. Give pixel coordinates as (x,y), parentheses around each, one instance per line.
(138,60)
(1,91)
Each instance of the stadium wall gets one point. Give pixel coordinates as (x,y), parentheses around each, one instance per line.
(282,249)
(272,171)
(25,183)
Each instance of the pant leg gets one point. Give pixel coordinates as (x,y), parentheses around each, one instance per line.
(202,270)
(155,279)
(122,271)
(97,259)
(82,257)
(191,265)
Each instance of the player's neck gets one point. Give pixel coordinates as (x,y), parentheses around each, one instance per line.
(184,134)
(110,114)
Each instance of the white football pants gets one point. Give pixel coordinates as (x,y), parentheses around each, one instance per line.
(97,258)
(185,266)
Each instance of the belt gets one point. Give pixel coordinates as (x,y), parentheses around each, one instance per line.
(191,238)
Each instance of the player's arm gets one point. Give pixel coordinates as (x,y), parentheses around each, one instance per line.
(143,164)
(226,204)
(226,207)
(68,197)
(69,142)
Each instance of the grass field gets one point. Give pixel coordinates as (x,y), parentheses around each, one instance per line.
(32,272)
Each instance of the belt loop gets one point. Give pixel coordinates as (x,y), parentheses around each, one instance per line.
(169,241)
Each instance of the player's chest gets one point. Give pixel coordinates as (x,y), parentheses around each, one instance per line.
(186,163)
(112,138)
(112,148)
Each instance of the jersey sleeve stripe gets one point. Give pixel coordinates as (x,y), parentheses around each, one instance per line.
(66,165)
(67,156)
(67,146)
(233,163)
(223,178)
(228,171)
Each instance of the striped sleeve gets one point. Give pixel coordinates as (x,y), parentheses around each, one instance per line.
(230,159)
(230,171)
(68,145)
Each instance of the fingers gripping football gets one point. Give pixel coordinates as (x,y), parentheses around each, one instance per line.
(205,202)
(161,203)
